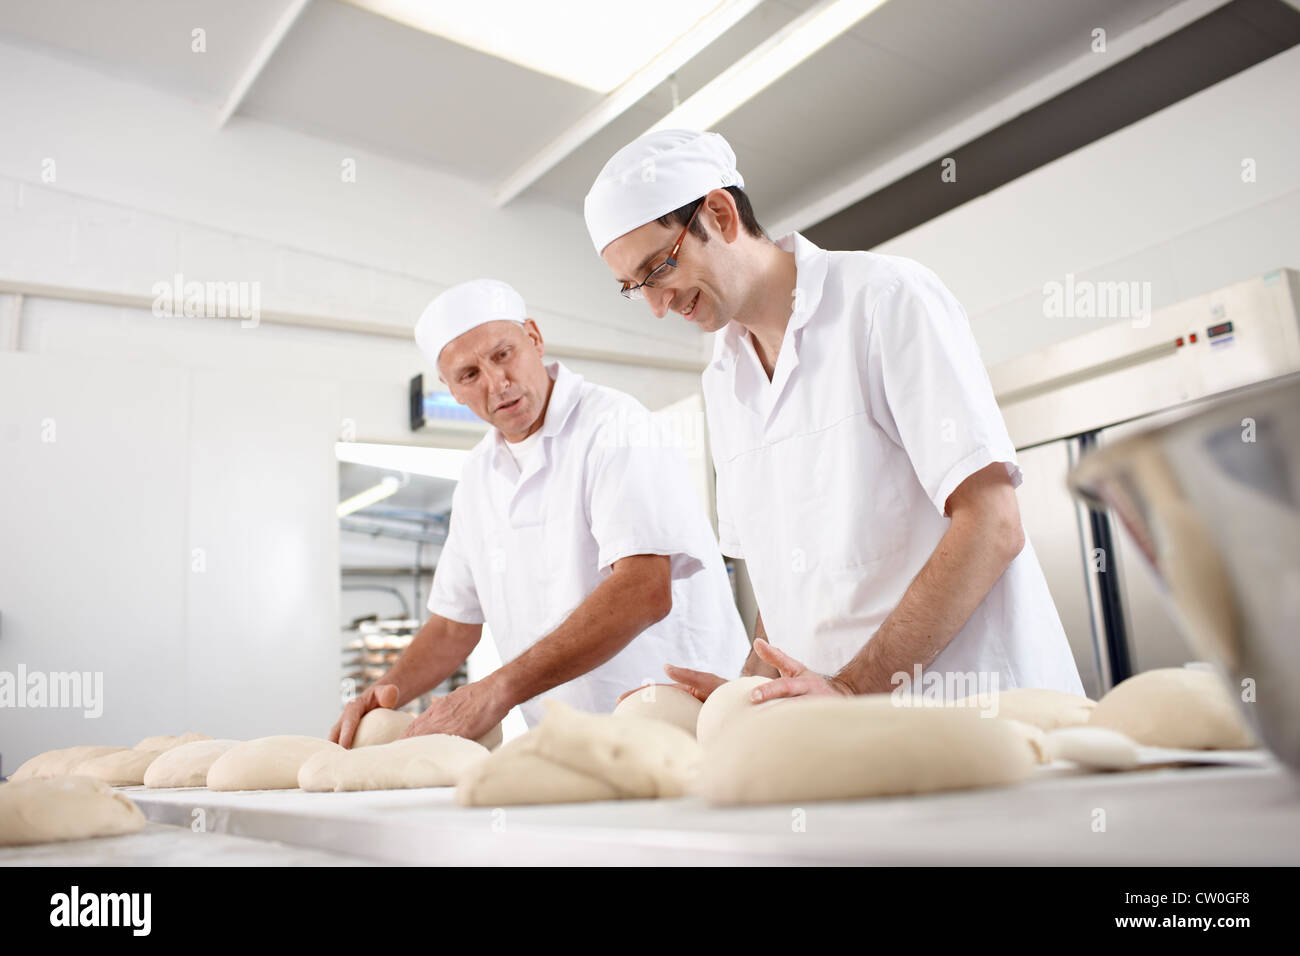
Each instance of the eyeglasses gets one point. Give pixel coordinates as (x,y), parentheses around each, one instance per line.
(665,268)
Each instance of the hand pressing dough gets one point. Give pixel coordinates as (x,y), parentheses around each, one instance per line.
(724,705)
(1093,747)
(820,748)
(1182,707)
(126,768)
(1042,707)
(168,741)
(186,765)
(571,757)
(57,763)
(383,725)
(662,702)
(268,763)
(67,808)
(432,760)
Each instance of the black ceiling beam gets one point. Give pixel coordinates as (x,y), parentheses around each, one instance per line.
(1220,44)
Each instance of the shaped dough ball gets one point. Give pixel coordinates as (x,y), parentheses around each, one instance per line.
(125,768)
(818,748)
(384,725)
(433,760)
(268,763)
(381,726)
(168,741)
(1180,707)
(67,808)
(57,763)
(571,757)
(1042,707)
(1096,748)
(186,765)
(724,705)
(662,702)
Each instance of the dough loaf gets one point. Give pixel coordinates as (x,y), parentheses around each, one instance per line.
(1042,707)
(724,705)
(383,726)
(186,765)
(821,748)
(66,808)
(56,763)
(662,702)
(267,763)
(1181,707)
(1094,747)
(125,768)
(571,757)
(432,760)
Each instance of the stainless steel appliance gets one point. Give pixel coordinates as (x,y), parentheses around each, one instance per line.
(1097,389)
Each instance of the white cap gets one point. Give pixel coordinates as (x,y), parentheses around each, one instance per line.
(653,175)
(464,307)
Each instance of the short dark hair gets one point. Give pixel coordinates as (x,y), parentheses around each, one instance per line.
(682,215)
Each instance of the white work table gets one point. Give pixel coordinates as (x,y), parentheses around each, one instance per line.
(1208,816)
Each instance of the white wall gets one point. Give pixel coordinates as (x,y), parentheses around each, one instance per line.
(176,433)
(1161,201)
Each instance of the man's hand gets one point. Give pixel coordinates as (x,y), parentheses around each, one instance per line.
(468,711)
(699,684)
(376,695)
(795,680)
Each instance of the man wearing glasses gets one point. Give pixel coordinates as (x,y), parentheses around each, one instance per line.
(864,472)
(575,535)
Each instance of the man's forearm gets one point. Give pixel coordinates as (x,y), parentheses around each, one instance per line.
(432,656)
(620,608)
(960,573)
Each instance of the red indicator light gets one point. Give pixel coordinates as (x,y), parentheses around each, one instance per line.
(1192,338)
(1179,342)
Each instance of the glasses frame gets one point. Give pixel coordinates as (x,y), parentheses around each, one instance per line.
(665,267)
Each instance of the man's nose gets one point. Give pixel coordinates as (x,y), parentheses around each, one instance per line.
(498,378)
(659,300)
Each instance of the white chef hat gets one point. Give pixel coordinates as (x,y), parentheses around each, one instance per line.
(653,175)
(464,307)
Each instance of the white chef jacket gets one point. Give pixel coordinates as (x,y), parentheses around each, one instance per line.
(833,476)
(525,549)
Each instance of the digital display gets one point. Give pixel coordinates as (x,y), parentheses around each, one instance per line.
(1223,328)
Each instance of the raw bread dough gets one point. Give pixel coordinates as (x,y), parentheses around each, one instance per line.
(662,702)
(1032,735)
(125,768)
(433,760)
(1183,707)
(56,763)
(382,726)
(1094,747)
(267,763)
(186,765)
(571,756)
(67,808)
(1042,707)
(819,748)
(168,741)
(724,705)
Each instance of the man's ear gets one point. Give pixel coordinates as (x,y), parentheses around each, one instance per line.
(534,333)
(721,206)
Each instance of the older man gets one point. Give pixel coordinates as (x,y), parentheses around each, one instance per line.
(575,536)
(864,471)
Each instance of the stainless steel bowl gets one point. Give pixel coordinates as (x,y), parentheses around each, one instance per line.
(1212,501)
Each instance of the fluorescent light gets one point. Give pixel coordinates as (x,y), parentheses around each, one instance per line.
(412,459)
(766,63)
(593,43)
(379,492)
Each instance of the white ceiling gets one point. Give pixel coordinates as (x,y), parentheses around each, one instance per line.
(910,69)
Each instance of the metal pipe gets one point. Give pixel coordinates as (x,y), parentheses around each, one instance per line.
(406,610)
